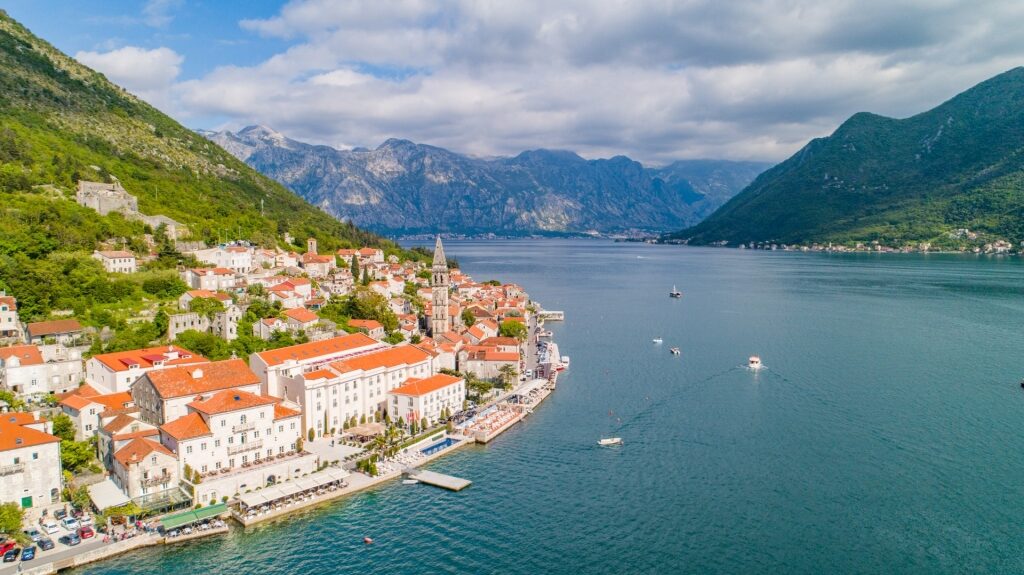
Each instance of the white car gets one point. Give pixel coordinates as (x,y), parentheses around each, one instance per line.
(85,520)
(69,523)
(50,527)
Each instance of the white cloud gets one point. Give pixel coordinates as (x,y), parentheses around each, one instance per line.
(159,13)
(149,74)
(653,79)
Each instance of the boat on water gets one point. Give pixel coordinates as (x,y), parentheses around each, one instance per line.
(754,362)
(609,441)
(410,481)
(675,292)
(656,340)
(674,351)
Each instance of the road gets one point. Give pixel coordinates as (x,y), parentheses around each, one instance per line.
(59,551)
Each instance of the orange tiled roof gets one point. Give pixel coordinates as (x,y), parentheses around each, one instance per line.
(21,418)
(318,374)
(137,449)
(230,400)
(111,254)
(315,349)
(56,327)
(301,314)
(145,358)
(193,380)
(15,436)
(282,412)
(417,387)
(365,323)
(26,354)
(499,340)
(186,427)
(388,357)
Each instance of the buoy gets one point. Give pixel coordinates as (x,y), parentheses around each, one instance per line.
(367,540)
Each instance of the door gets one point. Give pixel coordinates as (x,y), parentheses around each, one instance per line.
(26,502)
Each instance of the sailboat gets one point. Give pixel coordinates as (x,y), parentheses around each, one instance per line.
(609,441)
(675,292)
(657,340)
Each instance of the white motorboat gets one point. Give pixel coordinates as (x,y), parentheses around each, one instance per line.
(410,481)
(609,441)
(674,351)
(754,362)
(656,340)
(675,292)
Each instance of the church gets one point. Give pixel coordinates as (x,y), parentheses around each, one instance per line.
(440,284)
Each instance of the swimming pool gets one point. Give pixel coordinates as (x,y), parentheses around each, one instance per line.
(443,444)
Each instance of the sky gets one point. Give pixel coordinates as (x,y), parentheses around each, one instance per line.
(655,80)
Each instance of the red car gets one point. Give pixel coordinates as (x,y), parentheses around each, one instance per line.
(7,546)
(86,532)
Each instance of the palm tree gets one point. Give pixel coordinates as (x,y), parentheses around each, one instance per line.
(508,374)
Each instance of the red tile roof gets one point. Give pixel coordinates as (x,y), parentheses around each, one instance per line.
(417,387)
(56,327)
(282,412)
(144,358)
(137,450)
(369,324)
(301,314)
(26,354)
(230,400)
(111,254)
(316,349)
(15,436)
(186,427)
(194,380)
(388,357)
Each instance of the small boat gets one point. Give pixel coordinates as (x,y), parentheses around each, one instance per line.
(609,441)
(674,351)
(656,340)
(367,540)
(754,362)
(410,481)
(675,292)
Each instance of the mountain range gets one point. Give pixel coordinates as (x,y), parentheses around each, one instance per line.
(405,188)
(930,177)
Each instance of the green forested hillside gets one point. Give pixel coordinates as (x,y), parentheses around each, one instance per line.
(61,122)
(959,165)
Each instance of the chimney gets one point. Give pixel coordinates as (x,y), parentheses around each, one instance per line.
(311,246)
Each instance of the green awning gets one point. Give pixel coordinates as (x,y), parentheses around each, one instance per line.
(175,521)
(211,511)
(190,517)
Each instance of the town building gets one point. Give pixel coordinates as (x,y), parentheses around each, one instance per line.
(63,331)
(30,370)
(143,467)
(10,325)
(118,430)
(87,408)
(238,259)
(30,469)
(353,388)
(106,198)
(370,327)
(427,398)
(163,395)
(114,372)
(119,261)
(275,366)
(236,441)
(210,279)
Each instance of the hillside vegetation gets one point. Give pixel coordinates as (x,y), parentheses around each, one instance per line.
(959,165)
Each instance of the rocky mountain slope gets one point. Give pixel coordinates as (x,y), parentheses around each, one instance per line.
(406,188)
(959,166)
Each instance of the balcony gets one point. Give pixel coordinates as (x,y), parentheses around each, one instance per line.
(11,469)
(243,427)
(251,446)
(156,480)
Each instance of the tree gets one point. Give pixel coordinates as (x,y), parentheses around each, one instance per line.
(63,427)
(468,318)
(11,517)
(205,344)
(161,321)
(508,374)
(513,328)
(75,455)
(394,338)
(298,444)
(311,435)
(207,306)
(355,267)
(423,424)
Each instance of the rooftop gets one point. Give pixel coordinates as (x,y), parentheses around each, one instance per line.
(417,387)
(186,427)
(230,400)
(193,380)
(388,357)
(55,327)
(317,349)
(167,355)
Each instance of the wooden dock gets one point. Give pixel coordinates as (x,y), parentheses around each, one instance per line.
(438,479)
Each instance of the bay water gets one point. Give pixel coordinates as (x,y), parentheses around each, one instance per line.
(883,436)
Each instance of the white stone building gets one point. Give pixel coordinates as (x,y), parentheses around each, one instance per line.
(164,395)
(30,469)
(427,398)
(275,366)
(119,261)
(31,370)
(114,372)
(10,324)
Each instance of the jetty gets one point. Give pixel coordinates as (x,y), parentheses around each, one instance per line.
(448,482)
(551,315)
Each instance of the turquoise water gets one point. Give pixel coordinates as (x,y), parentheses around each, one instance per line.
(881,438)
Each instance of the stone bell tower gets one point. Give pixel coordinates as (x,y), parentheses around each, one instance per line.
(440,282)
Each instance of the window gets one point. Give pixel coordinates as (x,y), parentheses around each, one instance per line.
(203,469)
(188,449)
(153,460)
(263,415)
(216,465)
(216,443)
(35,455)
(224,422)
(88,427)
(280,428)
(17,460)
(242,419)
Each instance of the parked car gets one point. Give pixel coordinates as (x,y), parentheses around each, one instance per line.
(69,523)
(71,539)
(45,544)
(7,546)
(50,527)
(28,554)
(12,555)
(86,532)
(60,514)
(85,519)
(34,534)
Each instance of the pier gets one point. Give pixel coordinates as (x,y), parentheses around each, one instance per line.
(551,315)
(438,479)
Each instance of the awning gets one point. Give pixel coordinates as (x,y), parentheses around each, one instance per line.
(366,429)
(106,494)
(190,517)
(253,499)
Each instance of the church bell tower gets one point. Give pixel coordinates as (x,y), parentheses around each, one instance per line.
(440,282)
